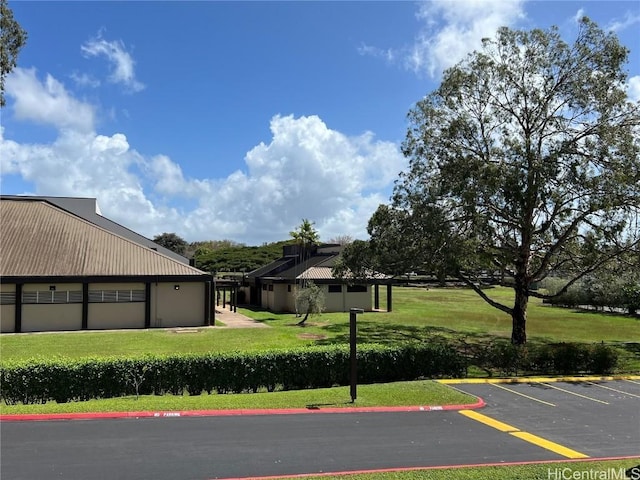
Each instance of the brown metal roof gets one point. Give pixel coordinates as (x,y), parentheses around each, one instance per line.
(39,239)
(316,273)
(88,209)
(318,267)
(326,273)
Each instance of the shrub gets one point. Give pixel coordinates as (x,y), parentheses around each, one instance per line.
(602,359)
(66,380)
(560,358)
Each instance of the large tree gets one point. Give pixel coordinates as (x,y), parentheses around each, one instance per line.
(172,241)
(524,161)
(12,39)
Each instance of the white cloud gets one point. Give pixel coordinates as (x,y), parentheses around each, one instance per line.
(618,25)
(633,88)
(47,102)
(387,54)
(453,29)
(449,31)
(122,63)
(85,80)
(306,170)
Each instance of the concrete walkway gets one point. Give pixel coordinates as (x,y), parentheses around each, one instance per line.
(235,320)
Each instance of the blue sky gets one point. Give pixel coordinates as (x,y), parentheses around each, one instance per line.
(235,120)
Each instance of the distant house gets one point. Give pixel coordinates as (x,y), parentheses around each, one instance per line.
(65,269)
(274,286)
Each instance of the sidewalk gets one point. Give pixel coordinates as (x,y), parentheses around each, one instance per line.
(235,320)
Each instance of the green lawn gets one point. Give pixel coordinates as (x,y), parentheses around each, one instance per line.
(424,393)
(577,470)
(418,314)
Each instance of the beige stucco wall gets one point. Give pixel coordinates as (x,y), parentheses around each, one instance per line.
(281,300)
(7,312)
(343,301)
(268,299)
(48,317)
(359,300)
(334,302)
(7,318)
(105,316)
(169,307)
(33,287)
(177,308)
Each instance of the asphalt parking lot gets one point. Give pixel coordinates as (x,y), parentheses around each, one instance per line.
(575,419)
(532,421)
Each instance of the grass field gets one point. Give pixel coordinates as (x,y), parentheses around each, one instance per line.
(418,314)
(424,393)
(569,470)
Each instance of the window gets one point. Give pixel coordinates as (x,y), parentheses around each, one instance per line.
(356,288)
(335,288)
(116,296)
(52,296)
(264,287)
(7,298)
(288,288)
(271,287)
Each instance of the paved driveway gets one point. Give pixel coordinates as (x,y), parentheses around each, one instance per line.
(592,418)
(522,423)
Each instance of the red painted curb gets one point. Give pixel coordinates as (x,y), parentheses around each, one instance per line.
(226,413)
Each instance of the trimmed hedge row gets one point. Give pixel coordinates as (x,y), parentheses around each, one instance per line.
(556,358)
(64,380)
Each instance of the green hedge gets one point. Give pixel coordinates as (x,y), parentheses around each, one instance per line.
(64,380)
(548,359)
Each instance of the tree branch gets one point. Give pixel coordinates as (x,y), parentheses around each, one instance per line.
(483,295)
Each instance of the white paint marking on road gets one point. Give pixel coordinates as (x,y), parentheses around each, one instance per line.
(522,395)
(614,390)
(576,394)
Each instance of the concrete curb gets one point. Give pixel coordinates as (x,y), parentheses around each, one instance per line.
(227,413)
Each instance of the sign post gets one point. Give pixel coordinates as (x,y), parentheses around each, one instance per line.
(353,332)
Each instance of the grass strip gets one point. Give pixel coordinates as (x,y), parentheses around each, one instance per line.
(609,469)
(423,393)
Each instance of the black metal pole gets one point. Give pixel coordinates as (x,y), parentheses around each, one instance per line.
(353,342)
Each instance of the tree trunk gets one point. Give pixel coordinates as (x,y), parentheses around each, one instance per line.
(519,315)
(301,322)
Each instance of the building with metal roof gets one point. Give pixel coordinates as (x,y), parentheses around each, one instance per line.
(88,209)
(274,286)
(60,271)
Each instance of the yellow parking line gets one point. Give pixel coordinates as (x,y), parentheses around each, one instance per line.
(527,437)
(576,394)
(503,427)
(522,394)
(614,390)
(458,381)
(546,444)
